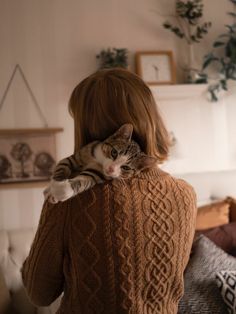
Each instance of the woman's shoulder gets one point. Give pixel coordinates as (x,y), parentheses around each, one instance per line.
(157,174)
(185,196)
(174,185)
(182,185)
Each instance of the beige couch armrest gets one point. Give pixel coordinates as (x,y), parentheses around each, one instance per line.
(14,248)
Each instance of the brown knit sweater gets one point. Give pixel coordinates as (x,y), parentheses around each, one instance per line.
(115,249)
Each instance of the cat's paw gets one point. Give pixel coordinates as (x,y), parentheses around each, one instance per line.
(46,192)
(48,195)
(59,191)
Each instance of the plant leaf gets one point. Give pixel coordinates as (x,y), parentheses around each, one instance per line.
(232,14)
(224,35)
(218,43)
(208,61)
(224,84)
(166,25)
(213,96)
(231,28)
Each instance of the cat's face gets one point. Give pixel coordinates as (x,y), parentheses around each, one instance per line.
(120,156)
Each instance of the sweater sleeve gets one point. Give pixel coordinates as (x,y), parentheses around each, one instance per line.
(189,213)
(42,271)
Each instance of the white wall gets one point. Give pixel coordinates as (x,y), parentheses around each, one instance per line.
(55,42)
(231,121)
(204,130)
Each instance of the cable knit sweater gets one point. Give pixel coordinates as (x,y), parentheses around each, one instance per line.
(115,249)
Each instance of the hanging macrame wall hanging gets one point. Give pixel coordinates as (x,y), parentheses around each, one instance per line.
(26,155)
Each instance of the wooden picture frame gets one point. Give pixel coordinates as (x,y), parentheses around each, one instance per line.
(27,155)
(156,67)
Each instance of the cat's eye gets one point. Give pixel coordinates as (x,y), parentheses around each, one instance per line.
(127,168)
(114,153)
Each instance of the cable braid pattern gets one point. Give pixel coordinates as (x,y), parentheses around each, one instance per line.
(109,250)
(91,282)
(138,247)
(159,248)
(122,235)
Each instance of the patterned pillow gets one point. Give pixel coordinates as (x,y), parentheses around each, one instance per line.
(226,282)
(201,294)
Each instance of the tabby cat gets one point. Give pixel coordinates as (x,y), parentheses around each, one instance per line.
(118,156)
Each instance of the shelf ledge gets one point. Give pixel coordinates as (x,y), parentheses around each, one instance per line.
(182,91)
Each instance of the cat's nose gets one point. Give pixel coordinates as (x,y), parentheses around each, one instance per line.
(110,169)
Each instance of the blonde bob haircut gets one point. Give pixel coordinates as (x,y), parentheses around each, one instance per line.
(109,98)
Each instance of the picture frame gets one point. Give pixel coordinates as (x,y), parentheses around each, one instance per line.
(27,155)
(156,67)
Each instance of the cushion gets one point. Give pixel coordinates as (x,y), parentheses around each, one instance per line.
(21,304)
(223,236)
(226,282)
(232,208)
(201,294)
(213,215)
(16,302)
(4,295)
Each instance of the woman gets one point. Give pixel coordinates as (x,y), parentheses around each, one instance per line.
(117,248)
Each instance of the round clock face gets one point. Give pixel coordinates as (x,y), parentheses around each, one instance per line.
(156,68)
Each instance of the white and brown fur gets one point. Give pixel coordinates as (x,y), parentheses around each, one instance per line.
(116,157)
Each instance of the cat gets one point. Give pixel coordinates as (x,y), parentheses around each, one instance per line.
(117,157)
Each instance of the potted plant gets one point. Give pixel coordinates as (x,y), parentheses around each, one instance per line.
(111,58)
(222,58)
(188,26)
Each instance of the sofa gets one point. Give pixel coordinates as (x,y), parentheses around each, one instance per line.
(14,248)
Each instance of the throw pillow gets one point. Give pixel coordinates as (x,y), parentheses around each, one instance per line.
(226,282)
(232,208)
(212,215)
(15,302)
(223,236)
(201,294)
(4,295)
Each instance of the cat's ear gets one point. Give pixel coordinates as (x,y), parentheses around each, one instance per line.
(124,132)
(145,162)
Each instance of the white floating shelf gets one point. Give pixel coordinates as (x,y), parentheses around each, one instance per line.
(182,91)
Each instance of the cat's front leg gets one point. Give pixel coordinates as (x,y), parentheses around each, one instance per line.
(81,183)
(47,194)
(59,191)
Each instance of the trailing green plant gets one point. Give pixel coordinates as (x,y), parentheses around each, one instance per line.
(223,57)
(111,58)
(188,25)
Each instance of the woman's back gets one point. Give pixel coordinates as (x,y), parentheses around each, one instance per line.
(127,245)
(120,247)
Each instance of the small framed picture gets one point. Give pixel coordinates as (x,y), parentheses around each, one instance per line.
(156,67)
(27,155)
